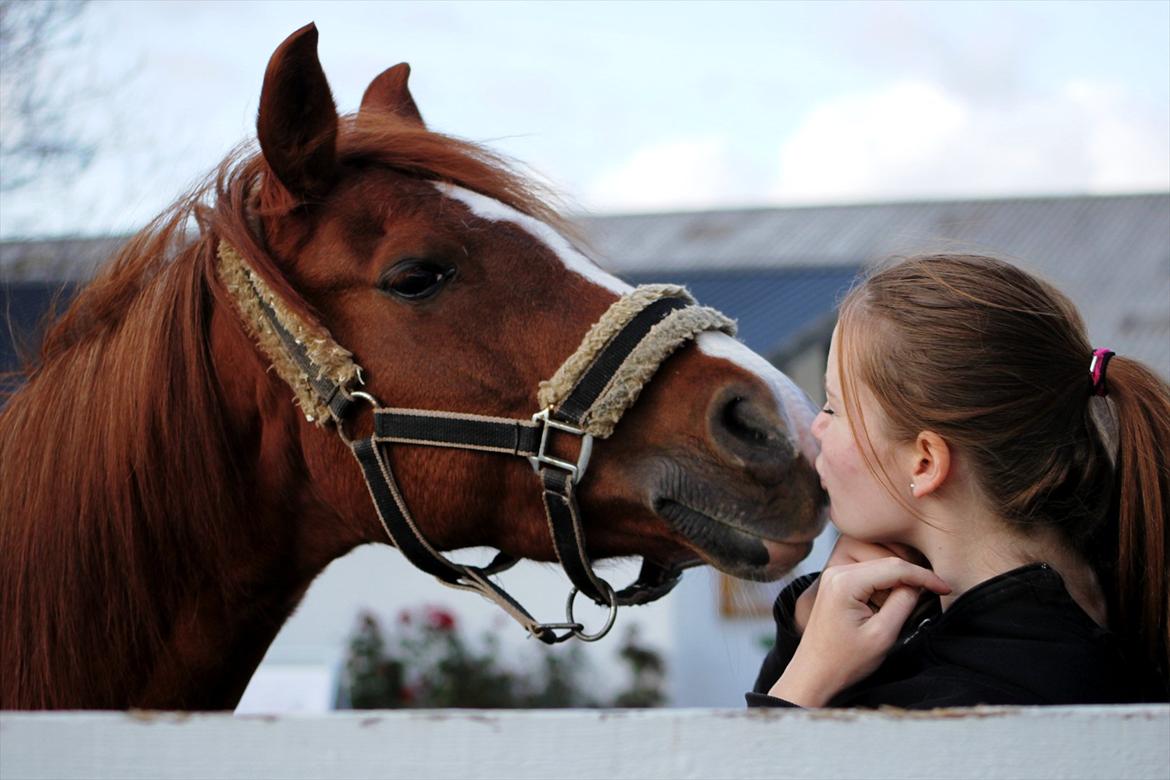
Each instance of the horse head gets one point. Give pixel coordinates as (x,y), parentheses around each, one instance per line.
(186,503)
(456,289)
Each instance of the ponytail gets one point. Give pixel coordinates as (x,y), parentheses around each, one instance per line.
(1138,593)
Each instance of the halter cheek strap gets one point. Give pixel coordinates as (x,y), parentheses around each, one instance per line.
(585,398)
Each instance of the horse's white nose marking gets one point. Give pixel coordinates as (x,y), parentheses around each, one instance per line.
(792,402)
(490,209)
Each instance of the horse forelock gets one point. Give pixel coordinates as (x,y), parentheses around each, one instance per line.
(388,140)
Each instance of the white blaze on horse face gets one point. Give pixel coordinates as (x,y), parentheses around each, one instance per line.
(495,211)
(798,411)
(796,407)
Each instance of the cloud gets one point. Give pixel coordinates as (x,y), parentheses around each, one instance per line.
(917,139)
(674,174)
(905,140)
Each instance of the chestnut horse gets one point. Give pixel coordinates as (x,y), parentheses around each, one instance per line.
(166,505)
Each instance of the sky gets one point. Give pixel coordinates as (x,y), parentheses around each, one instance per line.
(642,106)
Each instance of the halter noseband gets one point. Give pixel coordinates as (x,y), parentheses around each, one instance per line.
(585,398)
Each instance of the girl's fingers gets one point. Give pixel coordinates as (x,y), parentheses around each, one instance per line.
(861,580)
(878,598)
(891,572)
(894,612)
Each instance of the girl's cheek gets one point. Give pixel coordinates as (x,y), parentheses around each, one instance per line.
(829,461)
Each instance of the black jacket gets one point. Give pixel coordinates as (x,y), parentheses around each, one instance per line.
(1018,638)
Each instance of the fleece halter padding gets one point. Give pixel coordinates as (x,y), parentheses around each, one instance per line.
(626,384)
(257,304)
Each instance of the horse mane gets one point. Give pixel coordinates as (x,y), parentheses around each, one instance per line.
(120,479)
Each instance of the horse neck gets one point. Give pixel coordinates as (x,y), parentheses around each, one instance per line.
(142,566)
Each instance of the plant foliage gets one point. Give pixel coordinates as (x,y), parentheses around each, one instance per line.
(426,662)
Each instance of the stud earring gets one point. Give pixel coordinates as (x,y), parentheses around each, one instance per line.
(911,487)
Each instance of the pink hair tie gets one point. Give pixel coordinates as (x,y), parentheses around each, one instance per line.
(1097,370)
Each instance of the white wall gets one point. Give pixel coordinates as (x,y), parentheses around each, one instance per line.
(992,743)
(377,578)
(711,660)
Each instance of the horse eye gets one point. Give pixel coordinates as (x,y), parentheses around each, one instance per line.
(415,280)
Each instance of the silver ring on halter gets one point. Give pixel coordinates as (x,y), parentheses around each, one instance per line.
(373,402)
(578,629)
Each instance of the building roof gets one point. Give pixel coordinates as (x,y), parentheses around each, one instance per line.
(778,310)
(1110,254)
(55,260)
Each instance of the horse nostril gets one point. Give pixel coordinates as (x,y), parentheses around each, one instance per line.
(751,433)
(743,420)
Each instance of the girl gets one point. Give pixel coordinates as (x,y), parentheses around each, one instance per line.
(993,474)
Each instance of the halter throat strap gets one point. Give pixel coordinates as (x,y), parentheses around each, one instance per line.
(586,398)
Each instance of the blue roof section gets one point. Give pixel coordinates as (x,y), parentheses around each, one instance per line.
(775,308)
(23,307)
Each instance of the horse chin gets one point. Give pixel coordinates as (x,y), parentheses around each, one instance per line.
(729,546)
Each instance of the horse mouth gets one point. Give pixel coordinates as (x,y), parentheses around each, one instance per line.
(730,546)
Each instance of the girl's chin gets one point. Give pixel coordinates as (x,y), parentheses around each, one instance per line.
(842,524)
(835,516)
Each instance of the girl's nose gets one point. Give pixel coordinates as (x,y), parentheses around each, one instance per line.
(818,425)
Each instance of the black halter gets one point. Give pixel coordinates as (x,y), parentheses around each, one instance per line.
(524,438)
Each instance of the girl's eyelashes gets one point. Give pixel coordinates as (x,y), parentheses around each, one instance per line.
(827,409)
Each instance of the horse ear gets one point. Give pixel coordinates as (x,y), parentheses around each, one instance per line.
(388,92)
(297,122)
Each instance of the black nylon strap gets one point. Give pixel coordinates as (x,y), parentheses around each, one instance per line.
(410,542)
(599,374)
(515,437)
(382,489)
(568,535)
(330,393)
(653,582)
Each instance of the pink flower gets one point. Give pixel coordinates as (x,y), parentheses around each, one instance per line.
(440,619)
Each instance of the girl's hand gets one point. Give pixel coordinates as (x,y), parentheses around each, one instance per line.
(848,635)
(849,550)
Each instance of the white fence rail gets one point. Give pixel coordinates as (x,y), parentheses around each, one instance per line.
(1056,742)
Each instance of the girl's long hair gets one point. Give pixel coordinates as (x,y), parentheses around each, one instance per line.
(996,361)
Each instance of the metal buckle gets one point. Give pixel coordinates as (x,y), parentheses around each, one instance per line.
(577,470)
(373,402)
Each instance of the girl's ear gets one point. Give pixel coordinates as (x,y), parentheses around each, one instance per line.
(930,463)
